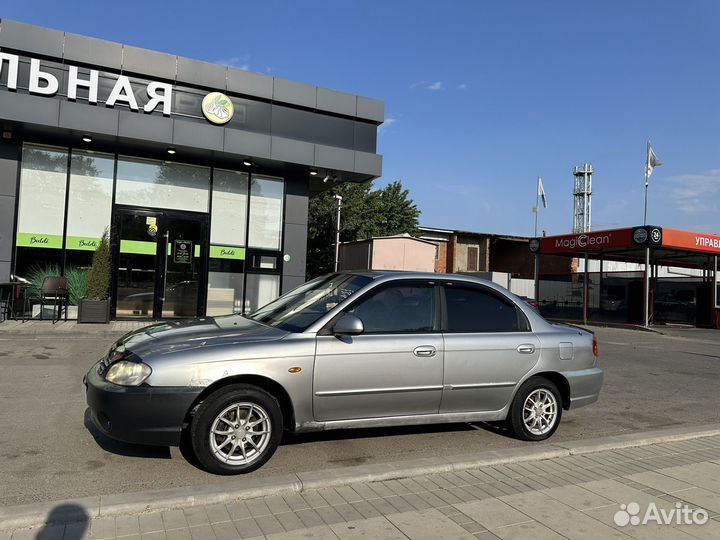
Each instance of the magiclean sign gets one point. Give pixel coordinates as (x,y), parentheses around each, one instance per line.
(216,107)
(592,241)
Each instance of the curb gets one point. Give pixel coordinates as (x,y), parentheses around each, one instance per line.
(13,517)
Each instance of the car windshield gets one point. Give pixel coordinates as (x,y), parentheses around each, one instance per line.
(301,307)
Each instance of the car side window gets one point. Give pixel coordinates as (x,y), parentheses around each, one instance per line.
(472,310)
(397,309)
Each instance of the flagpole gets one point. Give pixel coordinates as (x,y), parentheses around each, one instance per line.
(647,182)
(537,206)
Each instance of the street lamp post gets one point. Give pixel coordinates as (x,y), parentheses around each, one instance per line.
(338,209)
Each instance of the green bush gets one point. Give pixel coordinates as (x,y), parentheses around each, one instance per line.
(100,272)
(77,284)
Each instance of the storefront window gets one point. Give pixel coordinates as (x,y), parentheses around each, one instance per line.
(266,213)
(227,242)
(160,184)
(261,289)
(89,205)
(41,211)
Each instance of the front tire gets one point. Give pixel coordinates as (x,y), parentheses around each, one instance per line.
(536,410)
(236,429)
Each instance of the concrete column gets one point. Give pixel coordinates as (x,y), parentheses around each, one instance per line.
(537,277)
(297,192)
(715,282)
(586,290)
(9,173)
(646,290)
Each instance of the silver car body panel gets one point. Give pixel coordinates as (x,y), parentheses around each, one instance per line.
(374,380)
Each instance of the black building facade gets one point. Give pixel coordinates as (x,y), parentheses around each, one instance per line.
(199,172)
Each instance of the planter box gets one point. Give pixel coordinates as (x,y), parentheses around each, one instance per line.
(94,311)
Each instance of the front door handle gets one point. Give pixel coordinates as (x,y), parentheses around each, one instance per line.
(526,348)
(424,351)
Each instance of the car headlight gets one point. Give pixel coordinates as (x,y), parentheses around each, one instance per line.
(127,373)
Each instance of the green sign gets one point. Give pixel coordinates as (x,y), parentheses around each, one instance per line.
(138,247)
(48,241)
(227,252)
(82,243)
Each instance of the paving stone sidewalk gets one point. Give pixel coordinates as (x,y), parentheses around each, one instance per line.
(568,497)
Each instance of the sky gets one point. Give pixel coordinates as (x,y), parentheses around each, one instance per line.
(481,97)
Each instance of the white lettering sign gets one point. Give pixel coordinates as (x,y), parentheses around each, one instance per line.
(583,241)
(704,241)
(50,83)
(46,84)
(156,98)
(91,84)
(11,61)
(122,91)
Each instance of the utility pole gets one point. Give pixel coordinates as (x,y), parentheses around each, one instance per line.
(338,209)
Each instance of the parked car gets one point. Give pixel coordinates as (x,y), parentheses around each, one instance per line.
(612,303)
(346,350)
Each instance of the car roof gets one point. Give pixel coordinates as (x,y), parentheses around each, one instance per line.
(401,274)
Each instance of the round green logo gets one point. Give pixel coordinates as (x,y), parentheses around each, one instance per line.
(217,108)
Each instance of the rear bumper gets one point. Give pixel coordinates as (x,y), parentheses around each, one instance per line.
(584,386)
(141,415)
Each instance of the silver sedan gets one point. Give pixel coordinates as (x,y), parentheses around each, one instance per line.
(345,350)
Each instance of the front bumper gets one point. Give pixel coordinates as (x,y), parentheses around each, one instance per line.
(138,414)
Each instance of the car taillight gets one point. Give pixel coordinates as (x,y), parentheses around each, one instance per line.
(595,346)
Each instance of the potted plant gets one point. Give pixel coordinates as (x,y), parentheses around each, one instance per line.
(95,308)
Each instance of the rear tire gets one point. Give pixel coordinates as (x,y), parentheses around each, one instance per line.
(536,410)
(236,429)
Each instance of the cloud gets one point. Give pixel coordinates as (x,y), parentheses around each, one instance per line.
(462,86)
(695,194)
(386,125)
(239,62)
(432,86)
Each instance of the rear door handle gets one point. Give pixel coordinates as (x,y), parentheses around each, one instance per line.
(424,351)
(526,348)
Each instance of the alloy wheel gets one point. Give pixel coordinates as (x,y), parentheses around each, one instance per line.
(240,433)
(540,411)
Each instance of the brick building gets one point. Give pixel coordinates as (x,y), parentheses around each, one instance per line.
(465,251)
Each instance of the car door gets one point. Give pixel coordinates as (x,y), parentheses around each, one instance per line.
(394,368)
(489,348)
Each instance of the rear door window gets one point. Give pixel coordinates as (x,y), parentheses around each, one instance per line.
(478,310)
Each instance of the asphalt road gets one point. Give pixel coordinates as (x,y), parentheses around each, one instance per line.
(48,452)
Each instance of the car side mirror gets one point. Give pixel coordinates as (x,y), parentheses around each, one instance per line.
(348,325)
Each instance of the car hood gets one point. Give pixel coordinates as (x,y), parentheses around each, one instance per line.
(187,334)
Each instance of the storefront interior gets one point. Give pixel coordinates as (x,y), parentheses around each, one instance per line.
(186,240)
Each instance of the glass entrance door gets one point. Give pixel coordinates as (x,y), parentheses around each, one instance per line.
(160,263)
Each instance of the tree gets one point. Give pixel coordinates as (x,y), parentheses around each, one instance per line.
(366,213)
(100,271)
